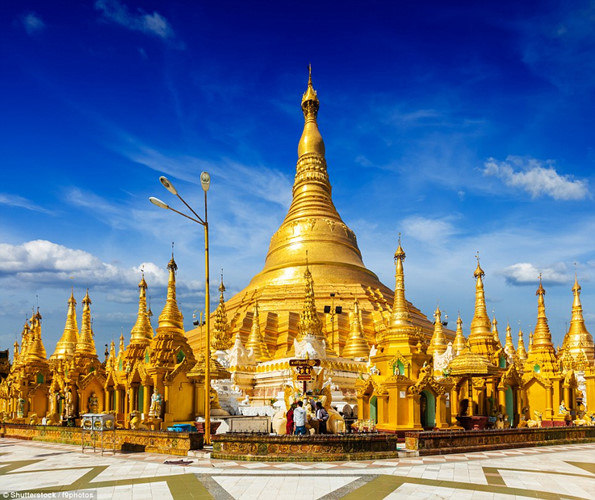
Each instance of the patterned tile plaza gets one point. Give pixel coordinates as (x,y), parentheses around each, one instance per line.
(558,472)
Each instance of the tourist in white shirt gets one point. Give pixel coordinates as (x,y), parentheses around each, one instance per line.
(299,418)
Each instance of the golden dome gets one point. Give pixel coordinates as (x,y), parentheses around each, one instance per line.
(312,225)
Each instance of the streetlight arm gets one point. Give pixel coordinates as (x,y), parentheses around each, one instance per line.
(202,222)
(160,204)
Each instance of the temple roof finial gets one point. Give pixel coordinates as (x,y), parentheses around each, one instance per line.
(311,140)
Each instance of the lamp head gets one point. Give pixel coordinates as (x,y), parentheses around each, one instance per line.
(168,185)
(158,202)
(205,180)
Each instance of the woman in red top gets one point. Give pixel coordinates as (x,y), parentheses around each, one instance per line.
(289,425)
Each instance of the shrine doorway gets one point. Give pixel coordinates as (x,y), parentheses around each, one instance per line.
(427,409)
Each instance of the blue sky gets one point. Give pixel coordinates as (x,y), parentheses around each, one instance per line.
(466,127)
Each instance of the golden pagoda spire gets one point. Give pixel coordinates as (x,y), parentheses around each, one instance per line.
(542,337)
(400,314)
(15,355)
(542,355)
(255,340)
(221,335)
(521,352)
(578,339)
(480,336)
(171,317)
(111,359)
(67,343)
(121,347)
(86,344)
(36,350)
(312,221)
(309,321)
(356,346)
(142,331)
(438,343)
(508,344)
(460,342)
(530,341)
(496,335)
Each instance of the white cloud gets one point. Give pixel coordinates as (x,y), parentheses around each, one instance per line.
(14,200)
(538,178)
(525,273)
(42,262)
(32,23)
(151,24)
(428,230)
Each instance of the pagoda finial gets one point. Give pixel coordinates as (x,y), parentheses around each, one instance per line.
(311,140)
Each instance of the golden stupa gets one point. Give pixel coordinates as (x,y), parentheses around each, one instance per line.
(312,234)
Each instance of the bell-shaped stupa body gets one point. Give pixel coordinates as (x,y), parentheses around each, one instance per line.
(312,228)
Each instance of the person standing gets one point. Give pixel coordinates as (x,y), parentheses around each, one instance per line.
(290,423)
(299,418)
(322,417)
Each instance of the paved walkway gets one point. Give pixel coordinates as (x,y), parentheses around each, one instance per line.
(557,472)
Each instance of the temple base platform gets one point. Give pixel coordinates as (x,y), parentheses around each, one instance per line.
(127,440)
(313,448)
(445,442)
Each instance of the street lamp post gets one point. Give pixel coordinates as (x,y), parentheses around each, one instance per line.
(205,181)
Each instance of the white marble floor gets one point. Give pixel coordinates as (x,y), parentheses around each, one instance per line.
(559,472)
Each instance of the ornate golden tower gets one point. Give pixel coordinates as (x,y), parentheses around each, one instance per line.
(521,352)
(438,343)
(481,338)
(142,331)
(578,339)
(85,346)
(460,342)
(356,346)
(67,343)
(508,344)
(255,341)
(542,355)
(312,224)
(496,335)
(221,337)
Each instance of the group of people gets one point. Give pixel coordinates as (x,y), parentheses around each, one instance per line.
(297,417)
